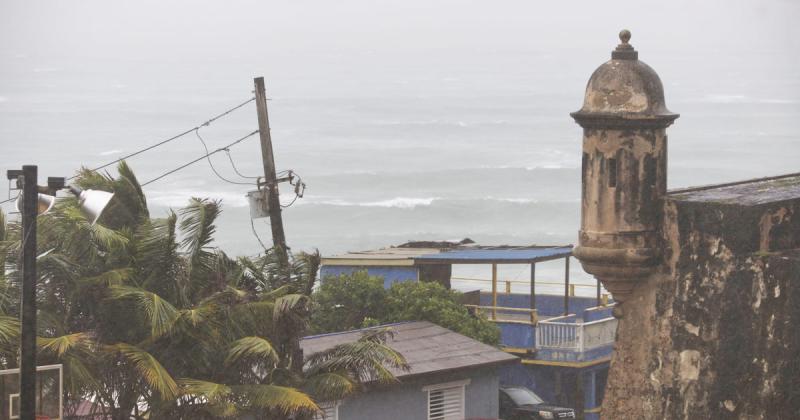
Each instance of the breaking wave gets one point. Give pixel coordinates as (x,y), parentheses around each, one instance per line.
(397,202)
(412,202)
(179,198)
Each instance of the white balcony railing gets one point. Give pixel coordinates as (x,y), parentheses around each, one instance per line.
(560,335)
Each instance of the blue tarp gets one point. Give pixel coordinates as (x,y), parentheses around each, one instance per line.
(499,256)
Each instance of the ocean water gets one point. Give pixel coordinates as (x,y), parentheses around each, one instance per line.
(446,133)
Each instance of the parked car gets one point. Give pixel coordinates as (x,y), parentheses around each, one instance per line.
(523,404)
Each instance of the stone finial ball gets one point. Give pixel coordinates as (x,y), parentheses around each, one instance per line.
(625,36)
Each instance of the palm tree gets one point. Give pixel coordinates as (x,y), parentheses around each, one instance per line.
(150,320)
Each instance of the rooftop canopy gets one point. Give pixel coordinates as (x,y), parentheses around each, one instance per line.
(416,253)
(496,255)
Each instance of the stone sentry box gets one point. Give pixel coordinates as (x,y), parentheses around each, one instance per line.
(624,170)
(709,277)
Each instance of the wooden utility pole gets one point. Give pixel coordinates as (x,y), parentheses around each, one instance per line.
(270,178)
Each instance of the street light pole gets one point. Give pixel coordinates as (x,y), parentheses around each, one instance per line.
(27,372)
(30,204)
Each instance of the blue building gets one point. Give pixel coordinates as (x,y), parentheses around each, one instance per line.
(564,340)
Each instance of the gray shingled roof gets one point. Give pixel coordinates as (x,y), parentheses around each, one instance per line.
(427,347)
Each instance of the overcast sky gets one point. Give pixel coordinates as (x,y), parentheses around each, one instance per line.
(178,30)
(387,86)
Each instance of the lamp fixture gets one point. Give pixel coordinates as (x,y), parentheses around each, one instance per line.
(90,202)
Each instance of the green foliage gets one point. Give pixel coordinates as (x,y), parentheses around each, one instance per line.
(132,303)
(345,302)
(432,302)
(359,300)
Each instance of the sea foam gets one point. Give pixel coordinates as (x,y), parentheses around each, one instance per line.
(396,202)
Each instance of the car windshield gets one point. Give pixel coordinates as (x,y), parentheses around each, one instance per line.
(523,396)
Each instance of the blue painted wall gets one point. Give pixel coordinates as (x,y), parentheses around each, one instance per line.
(517,335)
(390,274)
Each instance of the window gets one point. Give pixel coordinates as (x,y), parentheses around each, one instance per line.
(330,411)
(612,172)
(446,401)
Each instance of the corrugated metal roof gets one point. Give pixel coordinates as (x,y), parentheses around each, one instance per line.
(427,347)
(500,255)
(384,256)
(469,254)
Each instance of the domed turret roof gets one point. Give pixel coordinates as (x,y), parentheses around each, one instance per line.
(624,91)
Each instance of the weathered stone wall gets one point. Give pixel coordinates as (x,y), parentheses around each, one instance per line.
(716,334)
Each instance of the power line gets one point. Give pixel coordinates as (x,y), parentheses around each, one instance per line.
(213,169)
(200,158)
(253,228)
(175,137)
(233,165)
(10,199)
(172,171)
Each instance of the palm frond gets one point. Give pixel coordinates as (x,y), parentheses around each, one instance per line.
(330,386)
(254,269)
(156,240)
(285,400)
(9,329)
(60,345)
(212,391)
(116,277)
(150,369)
(84,235)
(198,224)
(79,378)
(251,348)
(130,192)
(57,265)
(158,311)
(288,303)
(106,237)
(228,295)
(198,315)
(366,360)
(87,178)
(275,294)
(155,258)
(306,267)
(252,317)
